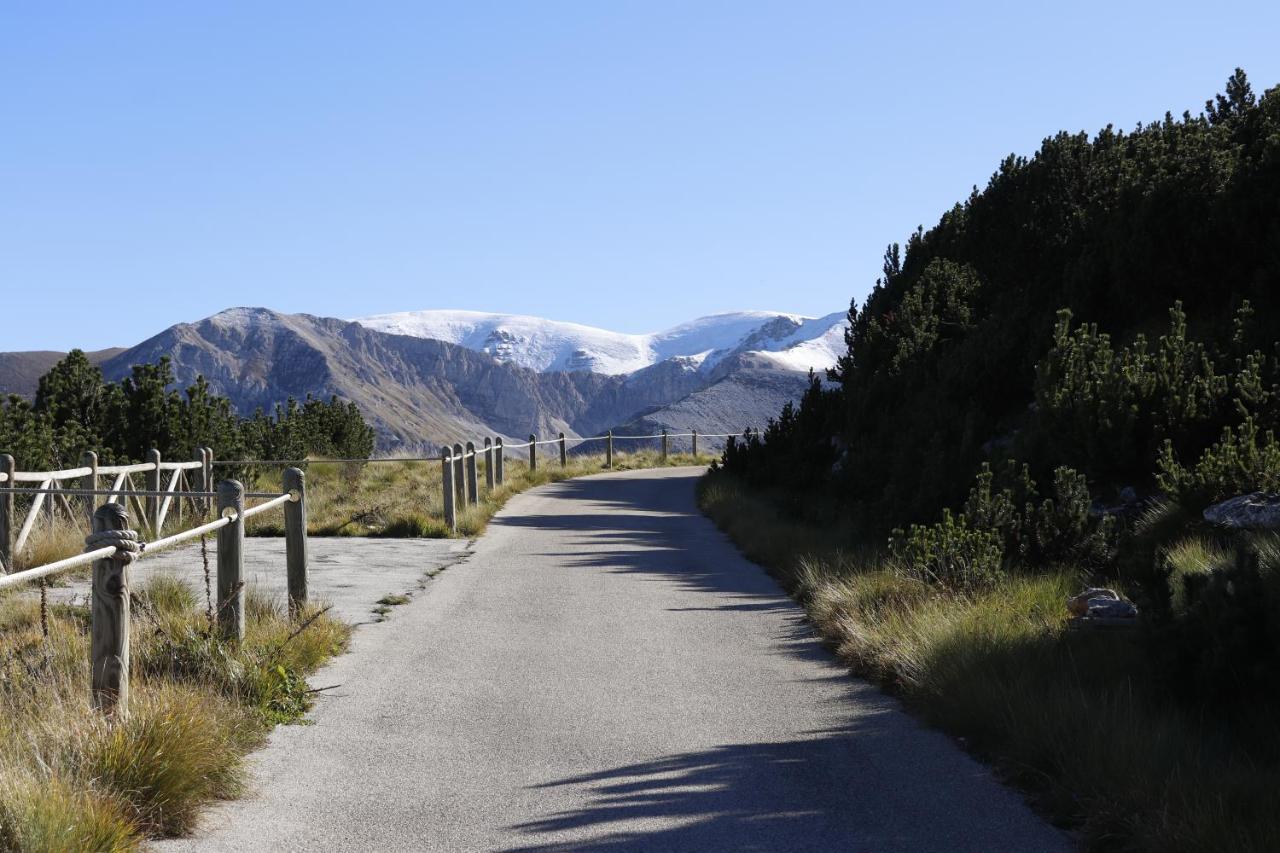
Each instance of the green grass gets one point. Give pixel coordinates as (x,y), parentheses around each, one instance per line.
(1076,719)
(404,499)
(71,779)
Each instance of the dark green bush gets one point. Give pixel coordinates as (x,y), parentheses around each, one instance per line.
(951,553)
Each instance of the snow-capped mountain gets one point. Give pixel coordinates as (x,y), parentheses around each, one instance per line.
(789,341)
(431,377)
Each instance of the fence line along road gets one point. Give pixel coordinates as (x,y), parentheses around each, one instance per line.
(459,482)
(112,546)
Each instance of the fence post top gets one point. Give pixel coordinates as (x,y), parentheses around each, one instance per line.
(6,462)
(89,457)
(471,445)
(294,478)
(488,442)
(110,517)
(562,435)
(457,448)
(533,436)
(230,494)
(446,452)
(498,441)
(153,455)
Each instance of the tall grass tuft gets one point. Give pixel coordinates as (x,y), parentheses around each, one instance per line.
(72,780)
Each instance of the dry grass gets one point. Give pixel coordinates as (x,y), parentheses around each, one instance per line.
(1075,718)
(61,538)
(72,780)
(404,499)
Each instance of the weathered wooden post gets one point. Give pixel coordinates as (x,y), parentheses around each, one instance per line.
(152,502)
(499,459)
(564,452)
(231,561)
(199,483)
(89,482)
(664,446)
(488,463)
(459,475)
(608,450)
(533,453)
(695,443)
(208,477)
(109,630)
(7,467)
(446,488)
(295,538)
(472,485)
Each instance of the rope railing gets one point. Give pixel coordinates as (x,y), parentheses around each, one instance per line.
(112,546)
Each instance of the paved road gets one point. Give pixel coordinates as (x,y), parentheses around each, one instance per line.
(605,672)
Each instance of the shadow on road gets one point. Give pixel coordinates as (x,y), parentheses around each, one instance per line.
(665,543)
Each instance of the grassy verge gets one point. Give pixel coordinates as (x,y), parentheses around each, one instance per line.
(404,499)
(71,780)
(1076,719)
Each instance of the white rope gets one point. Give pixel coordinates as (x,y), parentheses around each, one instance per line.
(126,542)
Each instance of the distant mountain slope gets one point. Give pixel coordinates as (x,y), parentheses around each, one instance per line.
(797,343)
(746,394)
(415,392)
(719,373)
(20,372)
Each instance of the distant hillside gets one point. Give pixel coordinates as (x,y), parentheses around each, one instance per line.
(20,372)
(419,392)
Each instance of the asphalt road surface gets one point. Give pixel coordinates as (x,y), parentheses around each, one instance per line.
(606,672)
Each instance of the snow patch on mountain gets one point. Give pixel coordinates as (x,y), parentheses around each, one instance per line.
(791,341)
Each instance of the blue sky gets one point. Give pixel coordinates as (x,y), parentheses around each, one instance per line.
(623,164)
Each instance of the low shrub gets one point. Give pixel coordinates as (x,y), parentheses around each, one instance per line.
(951,553)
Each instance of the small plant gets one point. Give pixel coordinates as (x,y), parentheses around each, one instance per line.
(1243,460)
(951,553)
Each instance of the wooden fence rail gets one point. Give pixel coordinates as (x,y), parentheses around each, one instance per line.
(113,546)
(168,486)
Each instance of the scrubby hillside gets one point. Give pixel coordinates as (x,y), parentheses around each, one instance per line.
(980,343)
(1044,393)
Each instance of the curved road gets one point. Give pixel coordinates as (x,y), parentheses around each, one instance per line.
(606,672)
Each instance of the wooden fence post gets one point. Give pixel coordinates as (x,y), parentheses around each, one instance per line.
(198,483)
(488,463)
(564,452)
(664,446)
(7,467)
(231,561)
(533,453)
(459,476)
(109,630)
(89,483)
(295,538)
(499,459)
(608,450)
(208,477)
(695,443)
(446,487)
(473,497)
(152,503)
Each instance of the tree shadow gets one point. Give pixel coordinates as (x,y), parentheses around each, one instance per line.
(866,785)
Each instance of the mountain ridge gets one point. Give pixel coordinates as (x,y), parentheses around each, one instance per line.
(420,392)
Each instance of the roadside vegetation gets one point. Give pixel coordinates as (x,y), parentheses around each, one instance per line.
(405,500)
(71,780)
(1043,394)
